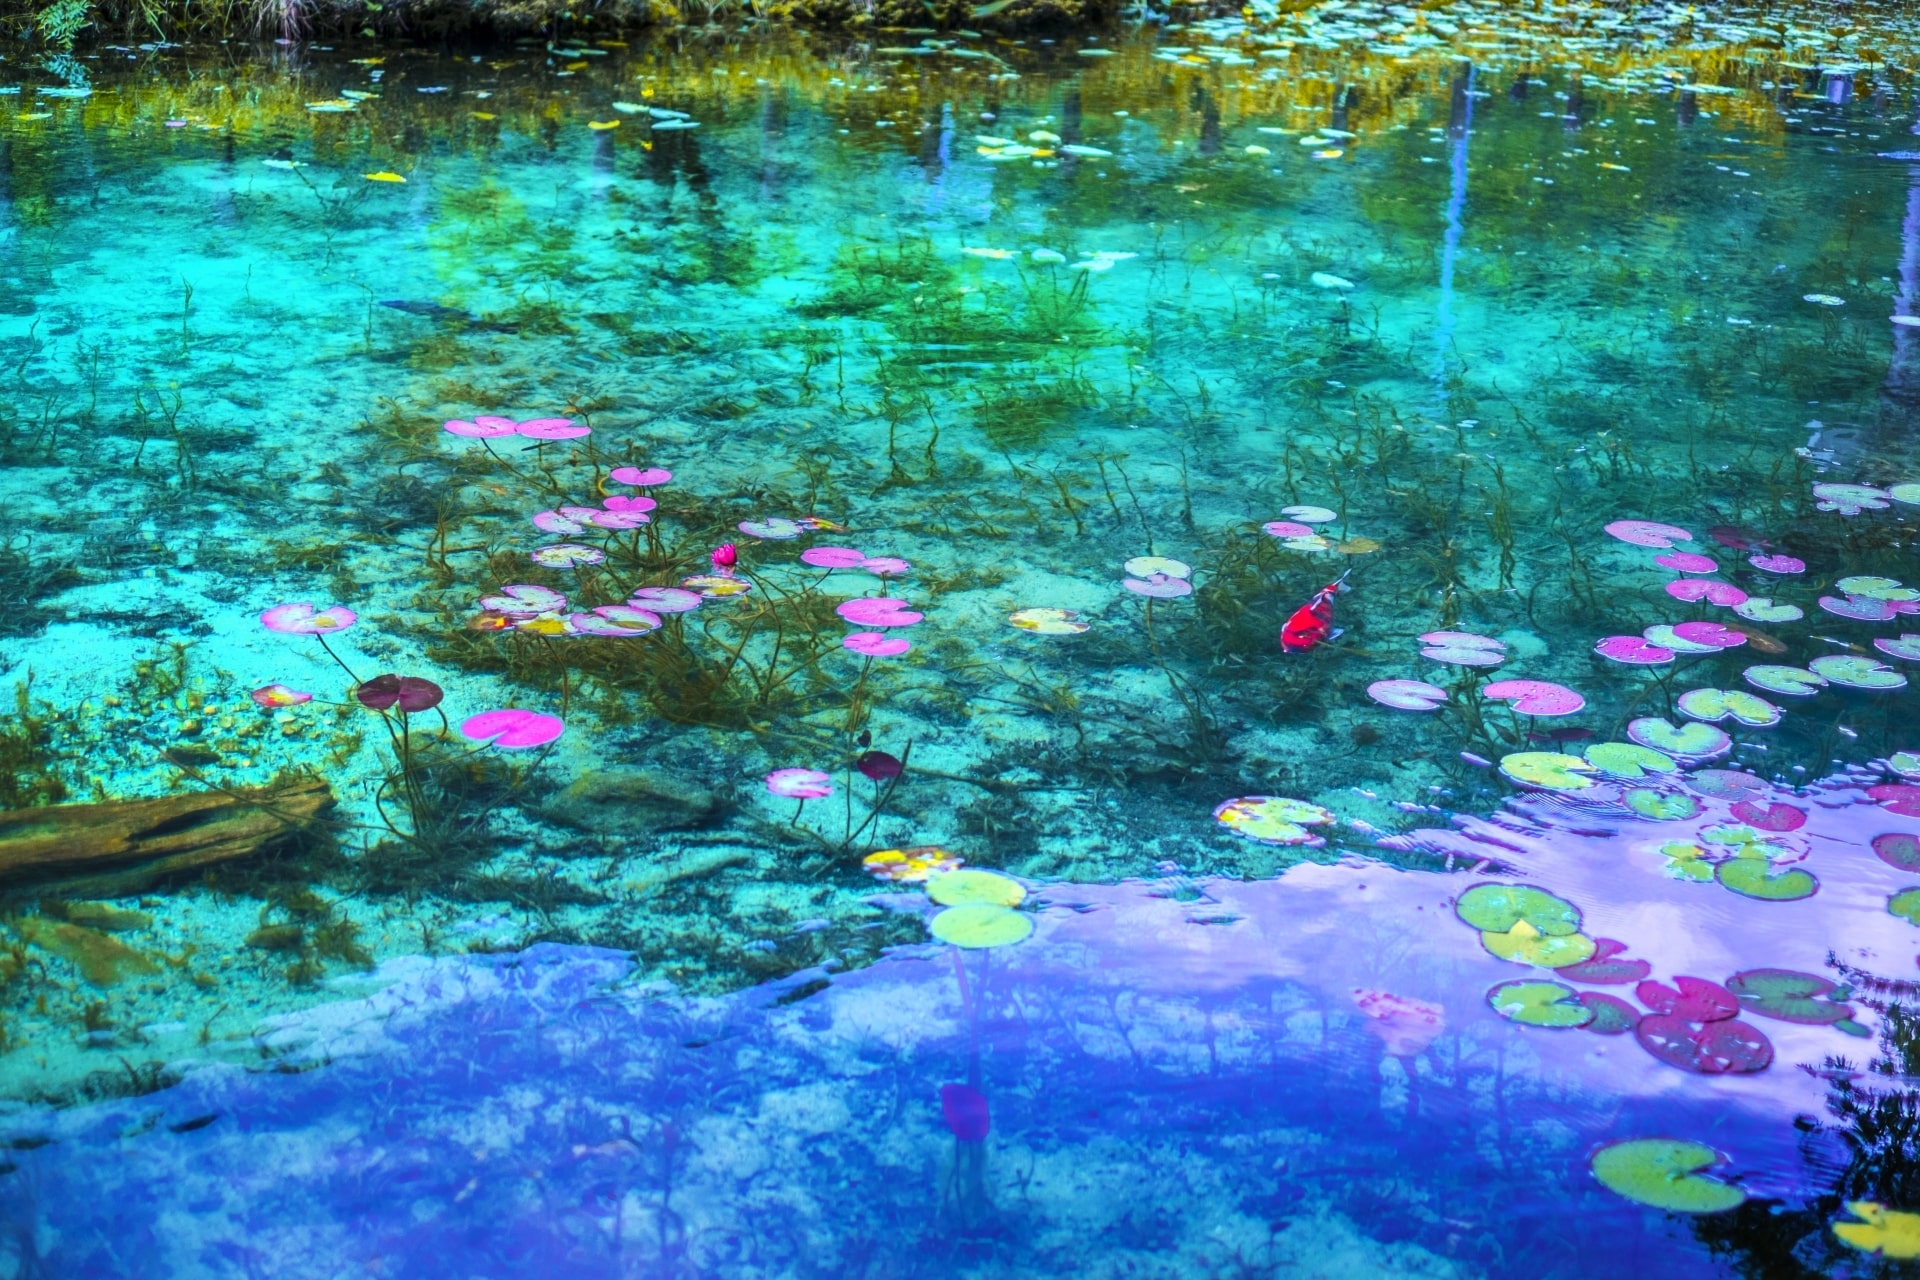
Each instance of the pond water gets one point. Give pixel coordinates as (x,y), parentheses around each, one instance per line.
(1274,646)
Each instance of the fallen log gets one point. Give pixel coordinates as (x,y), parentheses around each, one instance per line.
(120,847)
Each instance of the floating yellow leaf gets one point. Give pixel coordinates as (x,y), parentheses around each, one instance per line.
(980,924)
(1881,1230)
(959,888)
(577,66)
(911,865)
(383,176)
(485,115)
(603,124)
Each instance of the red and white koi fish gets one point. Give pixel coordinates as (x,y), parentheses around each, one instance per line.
(1312,622)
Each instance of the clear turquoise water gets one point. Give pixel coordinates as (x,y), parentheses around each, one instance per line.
(608,1006)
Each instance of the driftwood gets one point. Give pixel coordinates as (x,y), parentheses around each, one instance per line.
(120,847)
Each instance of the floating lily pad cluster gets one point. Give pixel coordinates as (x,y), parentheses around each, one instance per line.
(1693,1025)
(980,909)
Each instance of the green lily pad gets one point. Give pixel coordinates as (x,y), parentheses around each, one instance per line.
(1752,877)
(1524,944)
(981,924)
(1791,681)
(958,888)
(1664,1173)
(1535,1003)
(1877,588)
(1728,704)
(1548,769)
(1661,806)
(1857,673)
(1273,819)
(1906,905)
(1694,740)
(1789,996)
(1687,861)
(1496,908)
(1629,760)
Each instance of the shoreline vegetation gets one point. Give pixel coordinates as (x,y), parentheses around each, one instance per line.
(55,26)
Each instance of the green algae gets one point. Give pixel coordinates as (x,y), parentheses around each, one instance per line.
(102,960)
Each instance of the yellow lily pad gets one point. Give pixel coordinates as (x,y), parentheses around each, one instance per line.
(1887,1232)
(1547,769)
(603,124)
(911,865)
(960,888)
(1273,819)
(1048,622)
(383,176)
(980,925)
(1524,944)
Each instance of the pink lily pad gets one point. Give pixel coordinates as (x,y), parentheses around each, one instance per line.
(1773,816)
(833,557)
(1602,968)
(620,519)
(1906,648)
(482,428)
(553,429)
(629,502)
(1634,651)
(1159,586)
(1849,499)
(872,644)
(1693,999)
(558,523)
(1709,633)
(799,784)
(1859,608)
(1663,636)
(665,599)
(878,611)
(1777,564)
(1648,533)
(278,695)
(1287,529)
(1687,562)
(1720,593)
(1535,697)
(1407,695)
(1463,649)
(615,620)
(305,620)
(885,566)
(1897,797)
(524,601)
(513,729)
(640,477)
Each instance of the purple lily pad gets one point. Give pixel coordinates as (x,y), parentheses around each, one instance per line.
(1605,968)
(1859,608)
(1407,695)
(1724,594)
(1693,740)
(408,693)
(1634,651)
(1906,648)
(1777,564)
(483,427)
(1463,649)
(1287,529)
(1159,586)
(1727,1047)
(552,429)
(665,599)
(1726,784)
(1898,849)
(1693,999)
(1771,816)
(885,566)
(964,1110)
(1612,1016)
(1648,533)
(773,528)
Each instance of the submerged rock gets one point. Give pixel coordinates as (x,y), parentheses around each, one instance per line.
(629,800)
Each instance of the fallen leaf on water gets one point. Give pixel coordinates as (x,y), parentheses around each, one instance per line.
(383,176)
